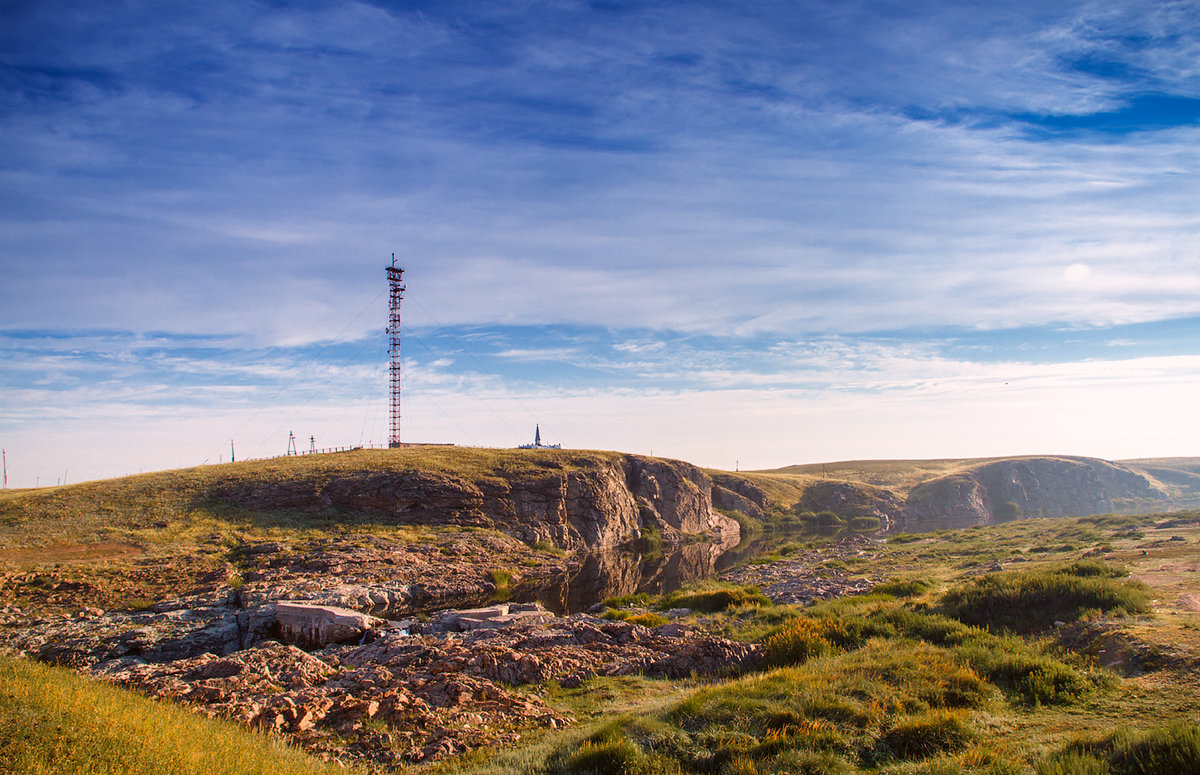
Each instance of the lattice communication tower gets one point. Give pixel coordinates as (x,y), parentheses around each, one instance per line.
(395,283)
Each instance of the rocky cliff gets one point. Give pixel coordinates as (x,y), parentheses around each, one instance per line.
(1017,488)
(924,495)
(574,500)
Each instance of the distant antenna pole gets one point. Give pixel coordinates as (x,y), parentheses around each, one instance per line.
(292,444)
(4,453)
(395,277)
(232,459)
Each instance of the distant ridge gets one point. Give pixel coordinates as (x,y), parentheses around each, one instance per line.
(957,492)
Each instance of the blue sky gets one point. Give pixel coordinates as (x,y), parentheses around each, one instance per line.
(742,234)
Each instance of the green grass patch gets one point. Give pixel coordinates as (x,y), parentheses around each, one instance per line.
(903,587)
(1028,601)
(821,716)
(713,596)
(501,578)
(641,599)
(1168,749)
(549,548)
(928,734)
(53,721)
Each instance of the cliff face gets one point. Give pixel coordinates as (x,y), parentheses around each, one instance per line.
(1019,488)
(592,503)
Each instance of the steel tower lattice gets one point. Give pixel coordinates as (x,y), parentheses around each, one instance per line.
(395,277)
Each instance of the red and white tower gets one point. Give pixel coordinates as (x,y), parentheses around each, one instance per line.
(395,282)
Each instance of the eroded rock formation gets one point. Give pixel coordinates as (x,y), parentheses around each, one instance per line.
(1025,487)
(593,502)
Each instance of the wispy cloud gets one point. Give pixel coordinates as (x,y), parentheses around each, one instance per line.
(649,197)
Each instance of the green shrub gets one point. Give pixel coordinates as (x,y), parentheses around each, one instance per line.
(549,547)
(501,578)
(1073,764)
(650,544)
(935,732)
(711,597)
(1167,749)
(908,538)
(647,619)
(797,641)
(1035,679)
(610,753)
(902,587)
(625,601)
(1025,601)
(1171,748)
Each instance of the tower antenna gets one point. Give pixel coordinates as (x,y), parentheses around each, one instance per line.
(395,277)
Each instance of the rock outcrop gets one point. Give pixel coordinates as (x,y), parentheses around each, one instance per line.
(455,688)
(585,501)
(1017,488)
(731,492)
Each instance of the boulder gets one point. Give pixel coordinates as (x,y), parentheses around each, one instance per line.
(311,625)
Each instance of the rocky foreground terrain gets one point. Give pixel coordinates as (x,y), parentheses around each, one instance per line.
(377,608)
(294,651)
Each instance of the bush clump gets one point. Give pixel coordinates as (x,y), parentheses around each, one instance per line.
(714,597)
(796,642)
(1036,679)
(1173,747)
(1167,749)
(647,619)
(928,734)
(1026,601)
(902,587)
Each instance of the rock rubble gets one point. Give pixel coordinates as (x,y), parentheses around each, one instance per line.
(804,579)
(432,695)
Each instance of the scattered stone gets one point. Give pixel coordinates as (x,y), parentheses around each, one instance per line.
(802,579)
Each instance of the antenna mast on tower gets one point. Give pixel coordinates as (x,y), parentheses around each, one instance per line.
(395,277)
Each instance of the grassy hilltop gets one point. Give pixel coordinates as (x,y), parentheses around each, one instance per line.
(1178,479)
(1058,645)
(176,505)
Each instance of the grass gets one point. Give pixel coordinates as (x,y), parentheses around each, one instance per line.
(713,596)
(1165,749)
(1027,601)
(929,673)
(174,506)
(53,721)
(830,714)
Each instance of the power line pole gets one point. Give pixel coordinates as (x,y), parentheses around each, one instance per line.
(395,277)
(5,455)
(292,443)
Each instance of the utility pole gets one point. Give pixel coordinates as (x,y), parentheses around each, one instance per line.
(292,444)
(231,457)
(396,287)
(312,444)
(4,452)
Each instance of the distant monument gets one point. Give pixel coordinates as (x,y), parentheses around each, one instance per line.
(537,441)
